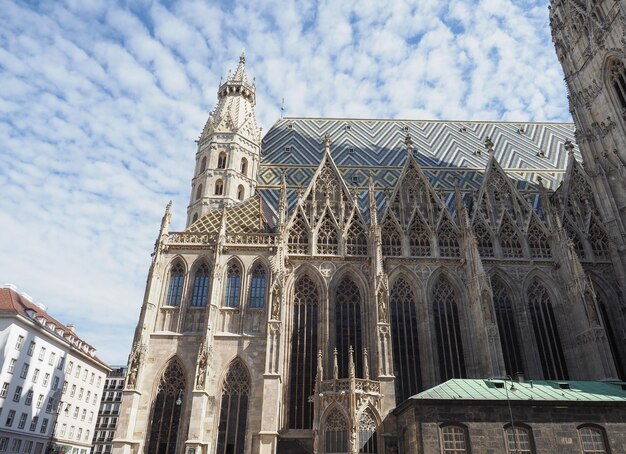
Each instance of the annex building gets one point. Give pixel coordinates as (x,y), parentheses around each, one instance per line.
(333,272)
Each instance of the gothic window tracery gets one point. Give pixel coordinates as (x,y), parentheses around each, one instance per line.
(175,286)
(510,241)
(448,330)
(258,285)
(219,187)
(356,241)
(166,411)
(336,433)
(298,241)
(203,165)
(575,239)
(303,353)
(484,240)
(348,327)
(612,336)
(234,410)
(538,242)
(599,241)
(200,286)
(240,192)
(199,192)
(233,285)
(327,238)
(221,161)
(244,167)
(617,78)
(368,443)
(328,188)
(391,239)
(448,241)
(506,326)
(546,332)
(419,238)
(404,337)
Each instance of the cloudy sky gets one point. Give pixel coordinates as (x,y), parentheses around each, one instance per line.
(100,103)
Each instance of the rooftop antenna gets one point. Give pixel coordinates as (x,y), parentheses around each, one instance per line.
(282,108)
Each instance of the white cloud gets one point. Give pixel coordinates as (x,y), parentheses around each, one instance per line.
(101,102)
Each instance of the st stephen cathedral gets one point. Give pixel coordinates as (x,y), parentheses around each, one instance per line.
(333,268)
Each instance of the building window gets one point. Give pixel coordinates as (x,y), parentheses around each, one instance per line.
(327,238)
(617,77)
(509,241)
(203,165)
(453,440)
(4,390)
(221,161)
(546,332)
(33,423)
(42,353)
(28,447)
(613,338)
(29,397)
(11,367)
(336,433)
(195,217)
(506,326)
(298,241)
(518,441)
(200,286)
(356,241)
(240,192)
(448,331)
(166,411)
(348,334)
(538,242)
(17,444)
(448,242)
(39,401)
(55,383)
(234,410)
(175,288)
(51,358)
(19,343)
(592,440)
(419,238)
(233,285)
(17,395)
(31,348)
(4,443)
(244,166)
(303,353)
(10,418)
(368,443)
(22,422)
(46,378)
(219,187)
(44,426)
(599,241)
(258,285)
(24,370)
(391,239)
(35,376)
(199,193)
(484,240)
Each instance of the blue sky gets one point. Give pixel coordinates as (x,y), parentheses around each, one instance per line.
(101,102)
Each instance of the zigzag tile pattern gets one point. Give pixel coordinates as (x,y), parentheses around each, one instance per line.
(448,151)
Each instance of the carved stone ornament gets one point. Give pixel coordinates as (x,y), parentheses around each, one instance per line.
(133,366)
(203,359)
(326,269)
(276,297)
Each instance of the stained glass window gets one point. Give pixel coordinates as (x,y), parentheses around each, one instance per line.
(200,286)
(231,436)
(166,410)
(506,326)
(233,285)
(258,285)
(448,331)
(175,286)
(348,326)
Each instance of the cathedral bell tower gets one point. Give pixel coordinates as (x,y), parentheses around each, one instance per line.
(228,149)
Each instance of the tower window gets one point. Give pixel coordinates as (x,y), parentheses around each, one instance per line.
(240,192)
(244,166)
(199,192)
(221,161)
(219,187)
(617,75)
(203,165)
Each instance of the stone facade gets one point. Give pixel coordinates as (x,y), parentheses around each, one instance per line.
(365,261)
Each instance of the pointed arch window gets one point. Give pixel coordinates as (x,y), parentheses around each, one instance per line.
(348,326)
(175,286)
(538,243)
(233,285)
(195,218)
(231,438)
(199,193)
(575,239)
(356,241)
(219,187)
(484,240)
(221,161)
(244,167)
(546,332)
(200,286)
(258,287)
(599,241)
(448,330)
(419,238)
(303,353)
(617,78)
(506,326)
(613,339)
(298,241)
(392,242)
(518,440)
(404,337)
(510,242)
(367,439)
(336,433)
(166,411)
(327,241)
(593,440)
(448,241)
(203,165)
(240,192)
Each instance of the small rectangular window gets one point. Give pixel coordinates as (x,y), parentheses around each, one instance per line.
(31,348)
(35,376)
(42,353)
(19,343)
(17,395)
(33,423)
(11,365)
(287,149)
(10,418)
(4,389)
(24,371)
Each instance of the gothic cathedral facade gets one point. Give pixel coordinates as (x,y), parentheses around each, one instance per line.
(333,268)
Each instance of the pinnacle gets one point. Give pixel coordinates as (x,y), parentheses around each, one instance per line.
(240,72)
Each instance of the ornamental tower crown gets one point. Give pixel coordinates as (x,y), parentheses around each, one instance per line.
(228,149)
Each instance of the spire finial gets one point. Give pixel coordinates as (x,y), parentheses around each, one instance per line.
(366,365)
(569,147)
(327,143)
(335,365)
(408,142)
(242,57)
(351,368)
(489,144)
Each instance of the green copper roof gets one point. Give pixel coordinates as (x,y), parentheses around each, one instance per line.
(537,390)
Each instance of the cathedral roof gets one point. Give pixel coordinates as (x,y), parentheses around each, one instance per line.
(447,152)
(250,216)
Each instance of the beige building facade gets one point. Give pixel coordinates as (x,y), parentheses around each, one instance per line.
(334,268)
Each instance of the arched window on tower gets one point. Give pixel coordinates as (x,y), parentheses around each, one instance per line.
(199,193)
(348,326)
(546,332)
(506,326)
(203,165)
(368,442)
(258,287)
(391,239)
(231,438)
(221,161)
(336,439)
(484,240)
(233,285)
(167,410)
(327,241)
(244,167)
(303,359)
(448,241)
(298,240)
(404,337)
(617,79)
(175,285)
(200,286)
(195,218)
(448,330)
(240,192)
(219,187)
